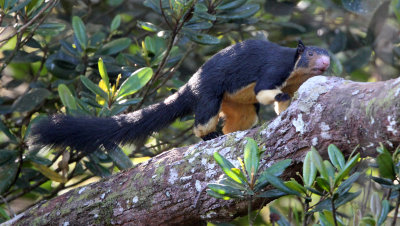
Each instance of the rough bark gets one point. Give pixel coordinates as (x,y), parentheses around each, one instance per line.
(170,188)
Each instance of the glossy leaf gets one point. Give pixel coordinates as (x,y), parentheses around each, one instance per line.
(115,46)
(346,169)
(251,158)
(121,160)
(336,157)
(309,170)
(104,74)
(217,195)
(203,38)
(225,190)
(227,168)
(93,87)
(343,199)
(278,183)
(276,170)
(80,31)
(30,100)
(66,97)
(294,185)
(49,173)
(319,164)
(115,23)
(148,26)
(135,82)
(273,193)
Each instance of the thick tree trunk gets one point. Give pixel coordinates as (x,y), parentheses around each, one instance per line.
(170,188)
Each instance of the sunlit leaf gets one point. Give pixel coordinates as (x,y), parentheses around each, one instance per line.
(49,173)
(104,74)
(93,87)
(135,82)
(225,190)
(148,26)
(251,158)
(227,168)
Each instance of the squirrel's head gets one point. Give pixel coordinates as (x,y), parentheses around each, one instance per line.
(311,60)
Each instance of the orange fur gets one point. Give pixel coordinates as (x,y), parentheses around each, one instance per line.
(238,116)
(245,95)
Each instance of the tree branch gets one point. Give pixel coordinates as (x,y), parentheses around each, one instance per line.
(169,188)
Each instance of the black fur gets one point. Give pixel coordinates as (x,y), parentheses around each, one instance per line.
(233,68)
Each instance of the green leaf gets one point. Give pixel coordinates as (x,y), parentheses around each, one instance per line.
(8,172)
(37,159)
(148,26)
(336,157)
(347,184)
(243,12)
(383,181)
(66,97)
(386,165)
(135,82)
(227,168)
(50,29)
(345,171)
(330,169)
(7,132)
(323,183)
(251,158)
(276,169)
(384,212)
(294,185)
(115,23)
(97,169)
(204,39)
(155,45)
(226,190)
(326,218)
(115,46)
(19,6)
(80,31)
(7,156)
(318,162)
(343,199)
(229,4)
(121,160)
(93,87)
(273,193)
(49,173)
(103,73)
(3,214)
(277,183)
(217,195)
(309,170)
(30,100)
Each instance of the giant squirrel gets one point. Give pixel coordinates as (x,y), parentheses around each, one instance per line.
(231,84)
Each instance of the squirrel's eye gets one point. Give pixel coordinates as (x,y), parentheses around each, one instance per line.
(310,53)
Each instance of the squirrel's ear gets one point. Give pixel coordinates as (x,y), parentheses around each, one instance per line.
(300,47)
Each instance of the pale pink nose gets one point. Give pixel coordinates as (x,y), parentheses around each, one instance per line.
(324,62)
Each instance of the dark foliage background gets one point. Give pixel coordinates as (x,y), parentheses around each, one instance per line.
(50,64)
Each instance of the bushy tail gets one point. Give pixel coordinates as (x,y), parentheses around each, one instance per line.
(87,134)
